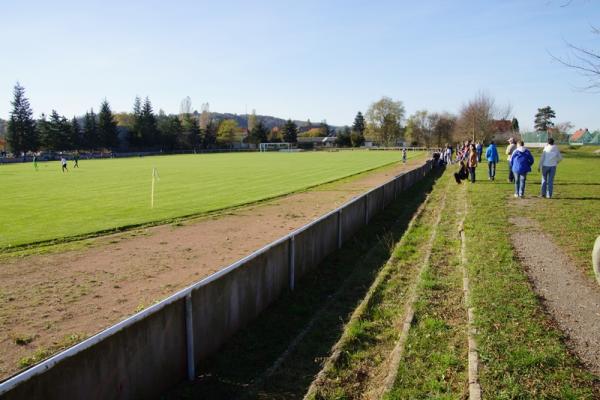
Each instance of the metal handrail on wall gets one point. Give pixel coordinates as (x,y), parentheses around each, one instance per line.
(186,293)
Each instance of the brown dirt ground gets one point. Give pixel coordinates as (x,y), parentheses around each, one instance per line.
(570,297)
(46,298)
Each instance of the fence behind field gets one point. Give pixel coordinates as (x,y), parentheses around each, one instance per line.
(150,352)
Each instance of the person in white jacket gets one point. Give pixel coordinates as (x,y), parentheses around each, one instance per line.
(549,160)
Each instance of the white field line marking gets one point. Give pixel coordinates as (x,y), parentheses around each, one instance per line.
(473,358)
(358,311)
(396,354)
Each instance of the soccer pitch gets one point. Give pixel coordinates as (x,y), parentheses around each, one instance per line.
(102,195)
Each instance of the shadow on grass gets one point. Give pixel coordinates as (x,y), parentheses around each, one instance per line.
(312,317)
(577,198)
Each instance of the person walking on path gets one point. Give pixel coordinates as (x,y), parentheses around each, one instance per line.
(520,164)
(491,155)
(472,162)
(509,150)
(63,162)
(548,161)
(479,150)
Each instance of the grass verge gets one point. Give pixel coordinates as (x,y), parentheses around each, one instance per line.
(522,355)
(434,361)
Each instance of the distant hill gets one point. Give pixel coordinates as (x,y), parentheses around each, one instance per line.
(268,120)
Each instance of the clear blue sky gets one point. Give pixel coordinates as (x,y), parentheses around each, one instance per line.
(297,59)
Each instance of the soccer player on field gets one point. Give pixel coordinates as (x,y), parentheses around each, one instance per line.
(63,162)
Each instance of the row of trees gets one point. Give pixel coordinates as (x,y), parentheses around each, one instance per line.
(56,132)
(386,123)
(142,129)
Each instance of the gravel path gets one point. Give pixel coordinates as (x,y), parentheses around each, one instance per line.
(571,299)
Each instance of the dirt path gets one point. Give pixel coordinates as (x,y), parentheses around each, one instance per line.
(571,298)
(49,301)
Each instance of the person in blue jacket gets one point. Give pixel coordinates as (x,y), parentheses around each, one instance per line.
(479,151)
(520,164)
(491,154)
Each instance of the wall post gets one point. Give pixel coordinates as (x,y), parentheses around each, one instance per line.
(189,337)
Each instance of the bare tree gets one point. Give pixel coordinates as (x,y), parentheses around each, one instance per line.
(585,61)
(252,120)
(205,115)
(476,118)
(560,132)
(185,107)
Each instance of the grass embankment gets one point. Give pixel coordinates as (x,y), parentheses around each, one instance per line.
(358,365)
(522,354)
(104,195)
(572,217)
(434,362)
(306,323)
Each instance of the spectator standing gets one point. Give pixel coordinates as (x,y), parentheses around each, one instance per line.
(491,155)
(520,164)
(509,151)
(548,161)
(472,162)
(479,150)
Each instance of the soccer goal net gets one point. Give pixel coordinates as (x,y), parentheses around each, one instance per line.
(275,146)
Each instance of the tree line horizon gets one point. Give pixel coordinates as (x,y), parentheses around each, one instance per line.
(142,129)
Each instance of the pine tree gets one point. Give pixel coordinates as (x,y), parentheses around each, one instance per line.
(21,133)
(148,128)
(514,125)
(357,136)
(359,124)
(43,132)
(90,130)
(107,127)
(543,117)
(290,132)
(135,137)
(191,132)
(75,138)
(55,133)
(209,136)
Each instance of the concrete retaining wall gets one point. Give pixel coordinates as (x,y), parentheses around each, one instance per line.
(150,352)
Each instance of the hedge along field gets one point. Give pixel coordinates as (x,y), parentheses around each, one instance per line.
(101,195)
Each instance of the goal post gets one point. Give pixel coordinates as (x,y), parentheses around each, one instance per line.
(275,146)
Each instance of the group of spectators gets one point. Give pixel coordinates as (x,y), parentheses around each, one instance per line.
(520,160)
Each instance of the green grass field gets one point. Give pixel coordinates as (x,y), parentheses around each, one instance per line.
(101,195)
(573,215)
